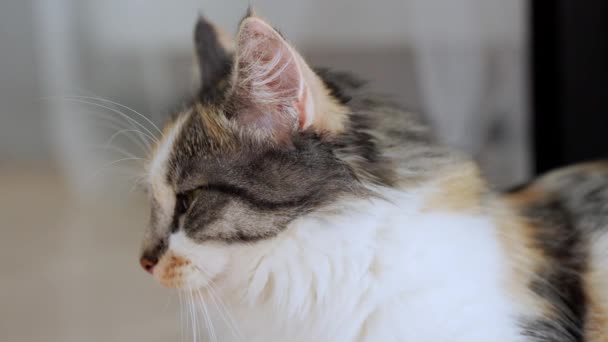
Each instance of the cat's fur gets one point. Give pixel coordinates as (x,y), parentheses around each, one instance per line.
(319,212)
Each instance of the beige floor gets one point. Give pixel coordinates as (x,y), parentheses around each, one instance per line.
(69,268)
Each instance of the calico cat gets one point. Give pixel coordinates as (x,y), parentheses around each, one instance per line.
(318,212)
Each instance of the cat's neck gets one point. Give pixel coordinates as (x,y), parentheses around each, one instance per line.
(395,147)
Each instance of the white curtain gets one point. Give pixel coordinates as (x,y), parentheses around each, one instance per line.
(470,64)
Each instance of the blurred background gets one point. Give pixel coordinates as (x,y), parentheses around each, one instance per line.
(78,78)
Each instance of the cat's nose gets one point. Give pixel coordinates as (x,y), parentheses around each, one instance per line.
(148,264)
(151,253)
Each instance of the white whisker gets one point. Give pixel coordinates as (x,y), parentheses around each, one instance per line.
(181,316)
(92,96)
(115,149)
(105,166)
(221,308)
(137,182)
(120,105)
(208,319)
(125,116)
(122,114)
(190,315)
(116,120)
(117,125)
(224,312)
(193,319)
(127,130)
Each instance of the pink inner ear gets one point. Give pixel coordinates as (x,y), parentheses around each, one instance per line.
(268,78)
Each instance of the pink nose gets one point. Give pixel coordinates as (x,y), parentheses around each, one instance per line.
(147,264)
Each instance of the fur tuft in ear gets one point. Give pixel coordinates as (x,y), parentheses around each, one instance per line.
(214,50)
(277,91)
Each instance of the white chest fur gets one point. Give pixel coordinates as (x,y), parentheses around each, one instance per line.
(379,271)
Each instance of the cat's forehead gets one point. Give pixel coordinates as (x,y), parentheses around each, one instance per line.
(202,141)
(161,153)
(194,132)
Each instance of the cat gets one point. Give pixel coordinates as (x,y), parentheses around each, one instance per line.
(299,207)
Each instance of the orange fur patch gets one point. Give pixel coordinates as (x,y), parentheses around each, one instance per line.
(459,190)
(517,239)
(171,269)
(216,126)
(331,116)
(596,283)
(596,329)
(529,195)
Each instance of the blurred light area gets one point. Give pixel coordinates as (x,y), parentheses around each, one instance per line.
(72,215)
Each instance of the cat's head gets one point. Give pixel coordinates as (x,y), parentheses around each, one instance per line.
(266,141)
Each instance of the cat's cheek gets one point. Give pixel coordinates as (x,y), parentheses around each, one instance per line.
(210,260)
(189,264)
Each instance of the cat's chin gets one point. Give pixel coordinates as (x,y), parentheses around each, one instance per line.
(177,272)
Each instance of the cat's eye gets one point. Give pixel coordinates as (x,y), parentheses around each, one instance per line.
(185,199)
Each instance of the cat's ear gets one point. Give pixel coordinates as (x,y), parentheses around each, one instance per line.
(214,50)
(276,89)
